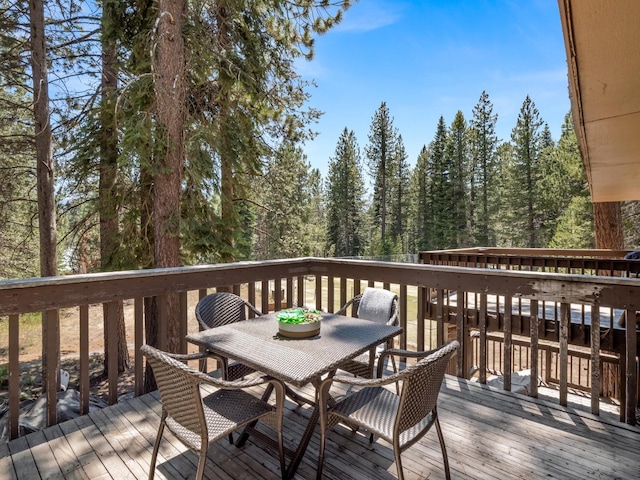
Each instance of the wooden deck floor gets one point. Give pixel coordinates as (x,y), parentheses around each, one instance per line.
(489,434)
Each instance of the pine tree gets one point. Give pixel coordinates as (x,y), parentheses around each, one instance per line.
(18,203)
(457,151)
(345,190)
(482,192)
(503,227)
(285,199)
(315,221)
(525,173)
(19,241)
(440,189)
(381,160)
(550,202)
(566,193)
(399,197)
(421,213)
(247,97)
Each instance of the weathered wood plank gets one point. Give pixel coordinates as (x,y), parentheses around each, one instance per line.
(65,456)
(43,455)
(89,460)
(23,462)
(6,462)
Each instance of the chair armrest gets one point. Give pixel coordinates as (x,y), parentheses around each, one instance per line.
(235,384)
(182,357)
(363,382)
(389,352)
(255,311)
(406,353)
(218,382)
(344,308)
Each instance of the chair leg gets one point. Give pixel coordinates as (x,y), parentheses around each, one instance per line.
(447,474)
(281,455)
(323,439)
(201,462)
(396,453)
(156,447)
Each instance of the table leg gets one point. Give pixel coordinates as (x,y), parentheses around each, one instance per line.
(304,443)
(296,458)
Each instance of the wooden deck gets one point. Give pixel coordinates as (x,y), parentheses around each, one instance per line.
(489,434)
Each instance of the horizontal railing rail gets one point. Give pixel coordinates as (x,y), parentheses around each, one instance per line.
(326,284)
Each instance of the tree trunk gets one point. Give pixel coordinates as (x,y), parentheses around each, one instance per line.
(226,82)
(107,198)
(169,70)
(607,218)
(46,204)
(45,182)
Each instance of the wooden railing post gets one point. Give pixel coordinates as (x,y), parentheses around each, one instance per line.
(83,378)
(51,375)
(631,368)
(563,354)
(533,328)
(14,375)
(508,364)
(138,315)
(595,359)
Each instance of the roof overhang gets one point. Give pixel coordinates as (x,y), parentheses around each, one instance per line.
(602,40)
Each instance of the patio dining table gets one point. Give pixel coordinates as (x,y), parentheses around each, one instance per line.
(296,361)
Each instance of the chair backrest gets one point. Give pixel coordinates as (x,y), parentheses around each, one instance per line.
(179,390)
(221,308)
(421,386)
(378,305)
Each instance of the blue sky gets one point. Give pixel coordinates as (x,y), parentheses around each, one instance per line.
(431,58)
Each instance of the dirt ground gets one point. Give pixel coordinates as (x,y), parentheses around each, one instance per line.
(31,350)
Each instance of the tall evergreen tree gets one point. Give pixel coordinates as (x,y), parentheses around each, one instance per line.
(282,225)
(440,189)
(345,190)
(420,214)
(381,160)
(315,226)
(482,190)
(457,151)
(525,214)
(18,203)
(399,193)
(19,240)
(566,193)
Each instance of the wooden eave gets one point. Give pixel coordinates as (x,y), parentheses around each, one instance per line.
(602,40)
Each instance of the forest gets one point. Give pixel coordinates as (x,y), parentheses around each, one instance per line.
(139,134)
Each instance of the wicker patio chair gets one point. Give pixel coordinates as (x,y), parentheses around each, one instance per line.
(198,420)
(400,419)
(364,365)
(222,308)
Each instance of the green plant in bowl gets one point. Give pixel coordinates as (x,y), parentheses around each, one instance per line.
(299,322)
(298,315)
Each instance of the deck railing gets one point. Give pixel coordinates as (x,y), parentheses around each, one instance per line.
(327,284)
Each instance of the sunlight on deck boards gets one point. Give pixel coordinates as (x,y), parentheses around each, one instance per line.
(488,433)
